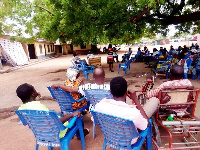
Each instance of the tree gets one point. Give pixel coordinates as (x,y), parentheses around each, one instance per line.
(99,21)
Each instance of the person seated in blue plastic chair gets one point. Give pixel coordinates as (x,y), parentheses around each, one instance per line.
(117,106)
(99,83)
(28,95)
(138,55)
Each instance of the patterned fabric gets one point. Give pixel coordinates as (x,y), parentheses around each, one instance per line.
(75,83)
(76,96)
(36,105)
(89,86)
(182,82)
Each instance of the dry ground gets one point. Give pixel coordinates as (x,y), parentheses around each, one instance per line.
(46,73)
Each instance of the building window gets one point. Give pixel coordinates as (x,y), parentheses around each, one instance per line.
(40,47)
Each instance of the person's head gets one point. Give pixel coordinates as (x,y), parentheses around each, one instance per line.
(99,76)
(26,92)
(154,50)
(118,87)
(72,74)
(110,46)
(176,72)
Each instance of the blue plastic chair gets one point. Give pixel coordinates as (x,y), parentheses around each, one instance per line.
(96,95)
(76,65)
(126,57)
(198,70)
(87,69)
(124,66)
(119,132)
(46,127)
(189,63)
(65,100)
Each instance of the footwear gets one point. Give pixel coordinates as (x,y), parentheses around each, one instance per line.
(111,70)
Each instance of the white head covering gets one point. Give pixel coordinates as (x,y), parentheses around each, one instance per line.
(71,74)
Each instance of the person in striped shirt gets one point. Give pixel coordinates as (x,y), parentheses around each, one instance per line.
(176,80)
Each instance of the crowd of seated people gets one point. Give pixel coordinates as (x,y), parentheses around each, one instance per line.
(118,86)
(162,60)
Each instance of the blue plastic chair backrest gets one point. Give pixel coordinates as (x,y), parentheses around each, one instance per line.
(128,62)
(189,62)
(45,125)
(169,57)
(96,95)
(198,66)
(186,56)
(118,132)
(83,65)
(63,98)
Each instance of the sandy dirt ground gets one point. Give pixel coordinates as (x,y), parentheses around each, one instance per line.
(46,73)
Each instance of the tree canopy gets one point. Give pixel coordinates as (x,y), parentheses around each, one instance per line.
(98,21)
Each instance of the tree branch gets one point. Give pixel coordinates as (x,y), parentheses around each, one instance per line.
(181,19)
(44,9)
(140,15)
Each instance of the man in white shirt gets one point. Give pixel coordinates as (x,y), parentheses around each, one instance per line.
(118,107)
(99,77)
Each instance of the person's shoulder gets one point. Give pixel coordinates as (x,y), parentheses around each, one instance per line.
(186,81)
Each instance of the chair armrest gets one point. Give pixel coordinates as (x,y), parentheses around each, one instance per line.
(72,122)
(161,61)
(80,99)
(143,133)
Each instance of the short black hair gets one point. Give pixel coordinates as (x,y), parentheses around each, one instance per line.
(177,71)
(24,92)
(118,86)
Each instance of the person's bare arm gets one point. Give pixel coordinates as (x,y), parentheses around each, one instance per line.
(178,87)
(132,95)
(68,116)
(65,88)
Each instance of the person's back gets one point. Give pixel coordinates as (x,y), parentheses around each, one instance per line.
(117,106)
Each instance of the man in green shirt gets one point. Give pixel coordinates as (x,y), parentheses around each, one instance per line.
(28,94)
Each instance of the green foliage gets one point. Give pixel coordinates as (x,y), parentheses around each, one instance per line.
(90,21)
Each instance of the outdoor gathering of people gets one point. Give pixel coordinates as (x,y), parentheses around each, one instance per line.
(138,113)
